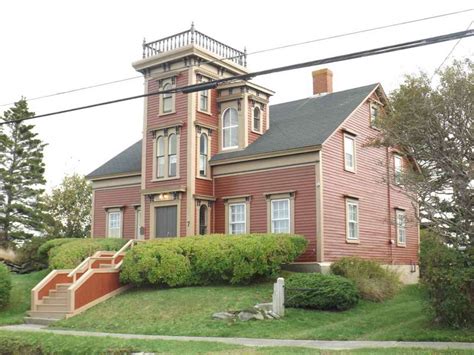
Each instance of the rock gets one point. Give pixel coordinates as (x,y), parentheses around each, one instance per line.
(258,316)
(223,316)
(264,306)
(246,316)
(274,315)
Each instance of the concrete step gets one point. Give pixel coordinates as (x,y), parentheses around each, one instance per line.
(52,307)
(39,321)
(55,293)
(54,300)
(62,287)
(106,266)
(47,314)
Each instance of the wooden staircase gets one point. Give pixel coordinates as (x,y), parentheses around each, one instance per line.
(65,293)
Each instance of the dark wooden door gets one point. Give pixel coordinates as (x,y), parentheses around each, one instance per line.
(166,221)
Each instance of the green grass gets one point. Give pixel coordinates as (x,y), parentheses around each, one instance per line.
(44,343)
(187,311)
(20,297)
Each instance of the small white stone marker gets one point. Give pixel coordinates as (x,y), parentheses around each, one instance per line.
(278,300)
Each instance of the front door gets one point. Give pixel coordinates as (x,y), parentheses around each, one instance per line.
(166,221)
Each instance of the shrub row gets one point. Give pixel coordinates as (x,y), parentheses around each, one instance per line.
(5,285)
(448,275)
(210,259)
(323,292)
(374,282)
(68,255)
(43,250)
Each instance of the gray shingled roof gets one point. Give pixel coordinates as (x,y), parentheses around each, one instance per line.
(129,161)
(303,123)
(296,124)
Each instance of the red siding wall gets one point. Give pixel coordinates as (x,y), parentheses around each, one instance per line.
(368,185)
(300,179)
(123,196)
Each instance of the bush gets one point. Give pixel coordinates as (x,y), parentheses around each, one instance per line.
(330,292)
(210,259)
(70,254)
(28,253)
(374,282)
(5,285)
(448,275)
(43,250)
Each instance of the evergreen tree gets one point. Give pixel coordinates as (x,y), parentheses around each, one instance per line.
(21,175)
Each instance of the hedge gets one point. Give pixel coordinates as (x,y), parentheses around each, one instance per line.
(5,285)
(44,249)
(374,282)
(323,292)
(70,254)
(448,275)
(210,259)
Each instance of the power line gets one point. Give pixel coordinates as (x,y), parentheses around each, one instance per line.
(321,39)
(450,52)
(203,86)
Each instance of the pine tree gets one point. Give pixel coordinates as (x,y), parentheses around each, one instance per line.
(21,175)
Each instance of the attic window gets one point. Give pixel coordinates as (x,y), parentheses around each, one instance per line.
(374,114)
(257,121)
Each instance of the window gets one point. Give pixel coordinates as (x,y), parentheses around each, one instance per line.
(349,153)
(160,157)
(172,155)
(204,98)
(374,114)
(257,119)
(138,222)
(397,168)
(114,224)
(352,218)
(167,99)
(237,218)
(203,220)
(401,224)
(230,129)
(280,216)
(203,155)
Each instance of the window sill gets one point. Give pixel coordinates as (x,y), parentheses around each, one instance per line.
(352,241)
(401,245)
(203,178)
(350,171)
(205,112)
(256,132)
(165,179)
(166,113)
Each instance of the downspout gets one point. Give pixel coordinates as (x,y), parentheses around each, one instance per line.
(389,204)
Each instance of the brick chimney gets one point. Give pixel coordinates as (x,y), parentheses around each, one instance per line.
(322,81)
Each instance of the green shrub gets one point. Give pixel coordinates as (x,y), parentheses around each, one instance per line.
(209,259)
(69,255)
(448,275)
(317,291)
(5,285)
(43,250)
(374,282)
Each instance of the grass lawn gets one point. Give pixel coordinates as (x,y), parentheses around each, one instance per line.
(20,297)
(187,311)
(29,343)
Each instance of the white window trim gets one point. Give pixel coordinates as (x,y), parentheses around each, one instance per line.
(208,111)
(230,219)
(354,154)
(138,222)
(281,219)
(206,175)
(285,195)
(399,226)
(354,202)
(397,171)
(373,122)
(166,176)
(237,126)
(163,83)
(259,131)
(120,214)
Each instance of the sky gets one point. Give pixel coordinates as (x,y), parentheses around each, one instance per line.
(55,46)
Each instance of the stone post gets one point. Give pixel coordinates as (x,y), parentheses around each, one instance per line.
(278,300)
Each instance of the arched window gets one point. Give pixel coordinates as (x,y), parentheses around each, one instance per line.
(203,220)
(167,99)
(230,129)
(256,119)
(203,155)
(160,157)
(172,155)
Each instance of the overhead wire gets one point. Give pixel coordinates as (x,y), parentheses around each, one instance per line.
(248,76)
(265,50)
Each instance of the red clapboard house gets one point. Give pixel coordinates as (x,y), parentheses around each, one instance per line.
(223,160)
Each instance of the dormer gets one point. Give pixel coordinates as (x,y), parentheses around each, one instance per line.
(244,114)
